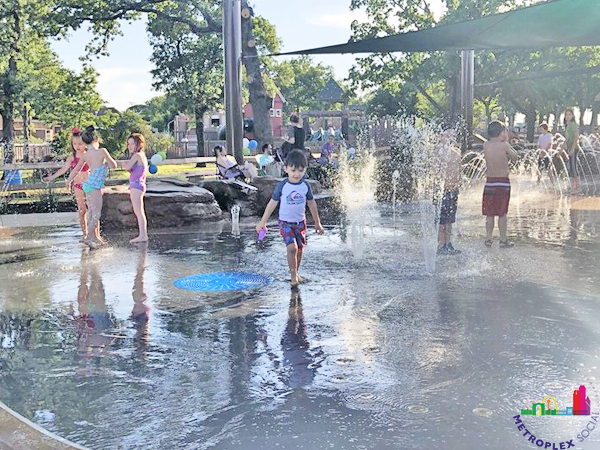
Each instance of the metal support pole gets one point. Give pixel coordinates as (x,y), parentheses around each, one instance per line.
(467,81)
(232,44)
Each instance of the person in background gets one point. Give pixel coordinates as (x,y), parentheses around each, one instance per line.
(496,193)
(545,142)
(327,150)
(99,162)
(572,149)
(137,166)
(295,137)
(450,170)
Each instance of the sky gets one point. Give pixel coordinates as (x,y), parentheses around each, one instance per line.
(124,76)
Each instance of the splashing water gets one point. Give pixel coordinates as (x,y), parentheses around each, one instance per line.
(356,191)
(427,161)
(235,220)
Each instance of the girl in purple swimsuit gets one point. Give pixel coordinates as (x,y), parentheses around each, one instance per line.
(137,166)
(79,148)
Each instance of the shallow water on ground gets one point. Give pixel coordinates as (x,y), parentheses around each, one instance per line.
(102,349)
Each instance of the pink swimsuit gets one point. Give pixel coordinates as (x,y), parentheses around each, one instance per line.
(85,168)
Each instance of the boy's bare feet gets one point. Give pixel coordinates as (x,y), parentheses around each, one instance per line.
(101,240)
(93,243)
(139,239)
(296,281)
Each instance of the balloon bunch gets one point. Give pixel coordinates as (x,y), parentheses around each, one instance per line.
(250,145)
(156,159)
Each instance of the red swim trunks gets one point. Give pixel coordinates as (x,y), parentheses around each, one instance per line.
(293,232)
(496,196)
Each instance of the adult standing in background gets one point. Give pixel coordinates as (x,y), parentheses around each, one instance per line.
(295,137)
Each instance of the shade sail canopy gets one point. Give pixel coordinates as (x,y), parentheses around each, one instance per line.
(557,23)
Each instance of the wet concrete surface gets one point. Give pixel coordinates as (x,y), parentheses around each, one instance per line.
(101,348)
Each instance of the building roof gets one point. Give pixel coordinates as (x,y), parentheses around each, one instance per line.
(332,92)
(556,23)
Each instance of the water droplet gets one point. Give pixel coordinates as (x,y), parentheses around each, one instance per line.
(366,396)
(418,409)
(344,361)
(483,412)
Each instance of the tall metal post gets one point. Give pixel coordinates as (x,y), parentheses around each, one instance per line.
(467,81)
(232,44)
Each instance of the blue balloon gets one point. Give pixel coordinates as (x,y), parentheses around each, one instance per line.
(252,144)
(152,169)
(221,282)
(265,160)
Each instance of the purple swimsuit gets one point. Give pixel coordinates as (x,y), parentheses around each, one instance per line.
(137,177)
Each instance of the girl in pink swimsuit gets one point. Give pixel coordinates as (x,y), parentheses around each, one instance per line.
(79,148)
(137,166)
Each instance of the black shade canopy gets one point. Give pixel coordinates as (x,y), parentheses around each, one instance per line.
(557,23)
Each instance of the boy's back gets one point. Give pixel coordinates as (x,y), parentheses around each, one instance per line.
(496,156)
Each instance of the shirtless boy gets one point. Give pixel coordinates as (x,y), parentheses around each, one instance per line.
(496,193)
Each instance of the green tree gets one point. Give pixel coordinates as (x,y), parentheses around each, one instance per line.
(114,130)
(300,81)
(159,111)
(188,67)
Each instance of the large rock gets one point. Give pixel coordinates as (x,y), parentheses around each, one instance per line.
(228,194)
(266,186)
(168,203)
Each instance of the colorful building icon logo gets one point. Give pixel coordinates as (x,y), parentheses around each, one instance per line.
(581,406)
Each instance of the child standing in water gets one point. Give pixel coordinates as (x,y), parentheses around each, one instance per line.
(294,194)
(78,148)
(572,148)
(99,160)
(450,170)
(496,193)
(137,166)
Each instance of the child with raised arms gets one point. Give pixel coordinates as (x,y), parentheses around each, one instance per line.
(99,161)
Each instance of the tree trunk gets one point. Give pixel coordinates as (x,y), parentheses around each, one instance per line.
(199,111)
(595,112)
(8,102)
(260,99)
(556,119)
(454,109)
(26,120)
(488,112)
(530,119)
(9,86)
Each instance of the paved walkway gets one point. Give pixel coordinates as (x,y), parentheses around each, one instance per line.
(18,433)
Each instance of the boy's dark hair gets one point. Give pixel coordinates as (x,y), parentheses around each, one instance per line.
(294,118)
(264,147)
(544,126)
(89,135)
(495,129)
(296,159)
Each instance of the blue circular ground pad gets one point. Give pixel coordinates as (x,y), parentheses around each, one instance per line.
(221,281)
